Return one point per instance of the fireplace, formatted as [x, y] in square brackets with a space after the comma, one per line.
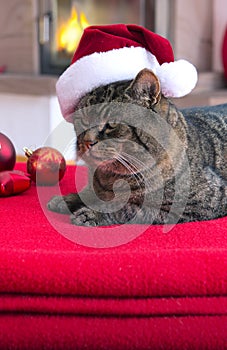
[61, 23]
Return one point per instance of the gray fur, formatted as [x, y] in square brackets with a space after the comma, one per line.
[185, 177]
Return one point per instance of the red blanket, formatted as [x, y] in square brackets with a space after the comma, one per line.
[150, 290]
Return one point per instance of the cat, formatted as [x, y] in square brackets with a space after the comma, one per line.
[149, 162]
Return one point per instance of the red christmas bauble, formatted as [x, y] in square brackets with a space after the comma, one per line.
[7, 153]
[46, 165]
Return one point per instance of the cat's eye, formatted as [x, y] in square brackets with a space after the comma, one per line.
[111, 125]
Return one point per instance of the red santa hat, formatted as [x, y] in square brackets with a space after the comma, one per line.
[111, 53]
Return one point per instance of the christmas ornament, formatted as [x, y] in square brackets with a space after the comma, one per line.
[7, 153]
[46, 165]
[13, 182]
[111, 53]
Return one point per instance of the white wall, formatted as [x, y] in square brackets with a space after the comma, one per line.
[35, 121]
[192, 32]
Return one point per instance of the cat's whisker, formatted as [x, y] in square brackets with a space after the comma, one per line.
[129, 168]
[134, 161]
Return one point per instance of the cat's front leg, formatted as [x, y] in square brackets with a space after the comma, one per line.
[67, 204]
[131, 213]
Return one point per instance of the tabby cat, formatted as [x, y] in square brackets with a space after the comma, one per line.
[149, 162]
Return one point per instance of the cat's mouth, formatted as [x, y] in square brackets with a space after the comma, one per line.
[114, 166]
[117, 159]
[114, 163]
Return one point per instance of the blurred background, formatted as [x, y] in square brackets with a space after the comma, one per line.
[38, 38]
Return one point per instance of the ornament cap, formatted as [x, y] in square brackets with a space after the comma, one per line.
[28, 152]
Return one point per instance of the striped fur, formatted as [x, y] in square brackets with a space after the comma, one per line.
[131, 137]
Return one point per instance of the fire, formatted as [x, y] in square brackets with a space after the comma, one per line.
[70, 32]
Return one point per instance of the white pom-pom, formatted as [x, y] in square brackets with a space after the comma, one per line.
[177, 78]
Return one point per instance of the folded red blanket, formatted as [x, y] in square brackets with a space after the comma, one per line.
[56, 272]
[92, 333]
[35, 257]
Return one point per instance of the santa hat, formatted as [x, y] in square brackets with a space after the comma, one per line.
[111, 53]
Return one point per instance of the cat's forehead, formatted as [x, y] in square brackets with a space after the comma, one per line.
[101, 112]
[121, 113]
[105, 93]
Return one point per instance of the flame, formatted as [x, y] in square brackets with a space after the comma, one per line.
[70, 32]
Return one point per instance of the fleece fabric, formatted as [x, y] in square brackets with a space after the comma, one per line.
[119, 287]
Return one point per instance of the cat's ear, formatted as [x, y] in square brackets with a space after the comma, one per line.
[146, 86]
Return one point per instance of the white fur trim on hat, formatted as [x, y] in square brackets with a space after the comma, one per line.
[104, 68]
[98, 69]
[177, 78]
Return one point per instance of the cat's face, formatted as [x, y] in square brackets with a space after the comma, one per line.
[117, 126]
[109, 145]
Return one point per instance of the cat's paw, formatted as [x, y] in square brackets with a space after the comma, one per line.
[85, 217]
[58, 205]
